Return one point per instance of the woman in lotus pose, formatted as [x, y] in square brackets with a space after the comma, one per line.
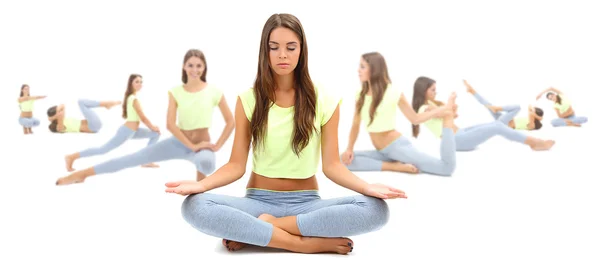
[467, 139]
[376, 106]
[189, 117]
[564, 109]
[132, 112]
[506, 114]
[290, 125]
[26, 118]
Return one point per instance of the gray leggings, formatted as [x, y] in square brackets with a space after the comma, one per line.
[94, 123]
[168, 149]
[123, 134]
[467, 139]
[235, 218]
[403, 151]
[29, 122]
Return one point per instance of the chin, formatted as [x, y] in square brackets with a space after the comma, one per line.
[284, 72]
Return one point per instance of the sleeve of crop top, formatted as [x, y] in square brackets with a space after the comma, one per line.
[217, 94]
[327, 103]
[248, 102]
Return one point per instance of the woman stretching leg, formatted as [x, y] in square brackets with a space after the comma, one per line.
[189, 117]
[132, 111]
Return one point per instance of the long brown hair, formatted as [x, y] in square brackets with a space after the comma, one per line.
[422, 84]
[194, 53]
[22, 87]
[379, 79]
[264, 87]
[129, 91]
[558, 98]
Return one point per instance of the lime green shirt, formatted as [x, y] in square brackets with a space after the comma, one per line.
[72, 124]
[132, 115]
[435, 125]
[385, 113]
[26, 106]
[521, 123]
[564, 106]
[195, 109]
[276, 158]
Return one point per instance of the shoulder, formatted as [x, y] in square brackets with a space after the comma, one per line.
[248, 101]
[327, 102]
[393, 92]
[424, 108]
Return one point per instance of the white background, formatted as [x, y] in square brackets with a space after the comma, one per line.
[505, 205]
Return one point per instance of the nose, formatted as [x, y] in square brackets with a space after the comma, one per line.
[282, 54]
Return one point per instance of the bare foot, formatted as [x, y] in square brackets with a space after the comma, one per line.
[495, 109]
[112, 104]
[469, 88]
[235, 246]
[405, 168]
[69, 160]
[340, 245]
[543, 145]
[150, 165]
[570, 123]
[74, 178]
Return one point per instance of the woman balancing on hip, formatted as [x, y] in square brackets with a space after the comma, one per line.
[507, 113]
[469, 138]
[290, 125]
[91, 124]
[26, 119]
[377, 103]
[132, 112]
[189, 117]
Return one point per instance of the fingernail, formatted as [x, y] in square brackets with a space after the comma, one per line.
[226, 241]
[349, 244]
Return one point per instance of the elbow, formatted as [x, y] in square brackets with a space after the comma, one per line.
[172, 127]
[331, 168]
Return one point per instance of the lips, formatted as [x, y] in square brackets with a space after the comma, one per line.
[283, 65]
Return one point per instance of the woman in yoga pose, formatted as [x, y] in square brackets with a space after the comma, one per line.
[506, 114]
[467, 139]
[376, 105]
[91, 123]
[26, 118]
[290, 125]
[132, 113]
[189, 117]
[564, 109]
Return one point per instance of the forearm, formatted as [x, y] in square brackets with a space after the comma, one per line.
[146, 121]
[339, 174]
[225, 135]
[424, 117]
[177, 133]
[227, 174]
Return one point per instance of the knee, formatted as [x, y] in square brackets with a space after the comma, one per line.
[195, 208]
[377, 211]
[448, 169]
[205, 164]
[556, 122]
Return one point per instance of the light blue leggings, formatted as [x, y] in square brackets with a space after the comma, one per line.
[562, 122]
[123, 134]
[467, 139]
[507, 114]
[29, 122]
[235, 218]
[94, 123]
[168, 149]
[403, 151]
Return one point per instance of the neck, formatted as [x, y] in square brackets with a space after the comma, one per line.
[194, 82]
[285, 83]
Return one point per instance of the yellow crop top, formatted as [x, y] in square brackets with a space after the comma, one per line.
[195, 109]
[385, 114]
[276, 158]
[435, 125]
[564, 106]
[72, 124]
[132, 115]
[26, 106]
[521, 123]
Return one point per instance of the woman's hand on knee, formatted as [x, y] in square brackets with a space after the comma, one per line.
[384, 192]
[185, 187]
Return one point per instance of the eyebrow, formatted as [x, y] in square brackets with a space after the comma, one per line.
[273, 42]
